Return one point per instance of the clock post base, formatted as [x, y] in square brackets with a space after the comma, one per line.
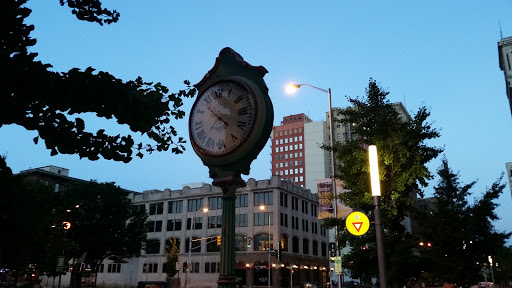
[227, 277]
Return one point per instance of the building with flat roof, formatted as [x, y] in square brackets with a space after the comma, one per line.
[289, 219]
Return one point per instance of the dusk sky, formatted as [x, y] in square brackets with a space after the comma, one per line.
[438, 54]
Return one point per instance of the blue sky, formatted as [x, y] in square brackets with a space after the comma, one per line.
[439, 54]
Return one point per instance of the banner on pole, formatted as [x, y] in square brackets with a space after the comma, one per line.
[325, 193]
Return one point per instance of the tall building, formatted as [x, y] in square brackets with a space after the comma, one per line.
[289, 219]
[288, 159]
[297, 155]
[505, 58]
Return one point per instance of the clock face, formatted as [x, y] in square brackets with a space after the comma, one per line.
[222, 117]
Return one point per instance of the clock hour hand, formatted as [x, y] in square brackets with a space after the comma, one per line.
[218, 117]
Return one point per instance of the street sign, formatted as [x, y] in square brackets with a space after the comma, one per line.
[357, 223]
[60, 264]
[337, 265]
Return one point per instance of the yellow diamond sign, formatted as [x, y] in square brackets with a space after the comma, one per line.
[357, 223]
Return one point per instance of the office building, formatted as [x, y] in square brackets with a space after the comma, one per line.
[289, 217]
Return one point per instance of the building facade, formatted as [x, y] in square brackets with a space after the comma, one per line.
[289, 217]
[505, 59]
[192, 217]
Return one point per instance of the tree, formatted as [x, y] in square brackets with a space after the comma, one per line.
[101, 209]
[462, 234]
[172, 251]
[403, 155]
[36, 98]
[25, 220]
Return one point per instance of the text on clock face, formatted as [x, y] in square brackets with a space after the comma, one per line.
[222, 118]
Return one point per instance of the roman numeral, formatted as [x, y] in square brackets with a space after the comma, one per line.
[218, 94]
[241, 124]
[201, 135]
[243, 111]
[210, 142]
[221, 144]
[234, 138]
[229, 92]
[199, 111]
[239, 99]
[198, 125]
[208, 99]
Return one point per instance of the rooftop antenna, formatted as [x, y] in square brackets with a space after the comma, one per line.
[501, 33]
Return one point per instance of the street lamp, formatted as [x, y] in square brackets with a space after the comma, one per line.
[189, 260]
[262, 208]
[291, 89]
[374, 179]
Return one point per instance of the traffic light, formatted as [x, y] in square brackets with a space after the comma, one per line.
[249, 242]
[218, 240]
[267, 246]
[332, 249]
[279, 255]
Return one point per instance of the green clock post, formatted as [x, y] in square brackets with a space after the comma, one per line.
[230, 123]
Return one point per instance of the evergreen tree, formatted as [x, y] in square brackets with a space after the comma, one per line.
[403, 154]
[462, 234]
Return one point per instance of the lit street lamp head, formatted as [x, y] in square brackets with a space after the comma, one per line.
[291, 88]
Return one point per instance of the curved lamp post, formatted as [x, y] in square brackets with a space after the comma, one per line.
[290, 89]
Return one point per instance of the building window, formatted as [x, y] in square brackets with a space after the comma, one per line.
[295, 203]
[305, 246]
[156, 208]
[295, 244]
[300, 146]
[154, 226]
[196, 245]
[277, 149]
[150, 268]
[286, 141]
[211, 267]
[195, 223]
[242, 200]
[195, 205]
[211, 245]
[315, 248]
[114, 268]
[175, 206]
[263, 198]
[240, 243]
[215, 203]
[300, 138]
[153, 246]
[214, 222]
[261, 219]
[301, 178]
[241, 220]
[261, 242]
[140, 207]
[283, 200]
[324, 249]
[305, 207]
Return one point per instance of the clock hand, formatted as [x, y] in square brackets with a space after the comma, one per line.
[218, 117]
[212, 111]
